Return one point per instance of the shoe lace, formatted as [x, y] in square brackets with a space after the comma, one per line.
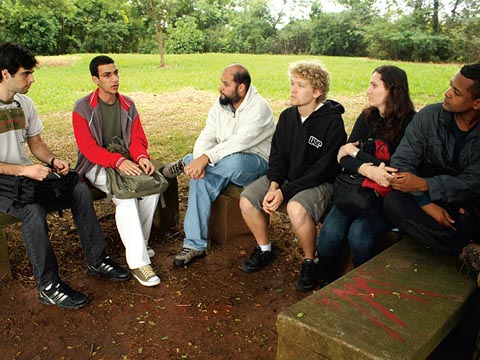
[147, 271]
[185, 251]
[471, 259]
[175, 168]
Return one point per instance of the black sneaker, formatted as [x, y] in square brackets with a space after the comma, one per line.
[309, 277]
[173, 169]
[258, 259]
[110, 270]
[63, 296]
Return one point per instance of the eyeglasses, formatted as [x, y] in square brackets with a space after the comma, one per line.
[109, 74]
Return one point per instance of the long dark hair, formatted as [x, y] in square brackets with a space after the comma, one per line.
[398, 105]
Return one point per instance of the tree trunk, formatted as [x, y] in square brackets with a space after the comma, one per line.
[454, 10]
[435, 16]
[158, 33]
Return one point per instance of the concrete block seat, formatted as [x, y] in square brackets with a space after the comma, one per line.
[399, 305]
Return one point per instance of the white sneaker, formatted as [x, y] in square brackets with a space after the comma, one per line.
[146, 276]
[150, 252]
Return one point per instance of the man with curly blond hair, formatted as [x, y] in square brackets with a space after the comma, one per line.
[302, 168]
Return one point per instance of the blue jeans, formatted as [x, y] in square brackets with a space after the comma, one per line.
[360, 231]
[238, 168]
[37, 242]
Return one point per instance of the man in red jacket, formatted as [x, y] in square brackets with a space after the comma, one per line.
[97, 119]
[20, 125]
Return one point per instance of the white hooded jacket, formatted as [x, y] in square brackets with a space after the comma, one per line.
[249, 129]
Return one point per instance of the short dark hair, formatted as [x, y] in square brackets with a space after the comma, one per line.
[97, 61]
[14, 56]
[241, 75]
[472, 72]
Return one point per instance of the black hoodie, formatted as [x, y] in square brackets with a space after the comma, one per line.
[306, 154]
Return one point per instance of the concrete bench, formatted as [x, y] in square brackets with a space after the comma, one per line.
[226, 223]
[164, 218]
[399, 305]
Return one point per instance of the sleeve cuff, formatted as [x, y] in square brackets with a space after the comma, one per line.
[422, 198]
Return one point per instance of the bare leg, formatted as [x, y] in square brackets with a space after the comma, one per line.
[304, 228]
[256, 221]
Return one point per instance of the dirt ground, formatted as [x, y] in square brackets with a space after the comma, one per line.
[210, 310]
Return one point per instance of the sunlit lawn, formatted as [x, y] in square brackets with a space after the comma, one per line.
[61, 80]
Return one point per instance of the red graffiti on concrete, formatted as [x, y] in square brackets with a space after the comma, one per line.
[367, 289]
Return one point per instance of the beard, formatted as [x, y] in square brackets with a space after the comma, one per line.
[229, 100]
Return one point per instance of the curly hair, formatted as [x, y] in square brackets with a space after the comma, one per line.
[313, 72]
[397, 107]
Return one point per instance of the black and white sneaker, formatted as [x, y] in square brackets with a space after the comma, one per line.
[258, 260]
[64, 296]
[173, 169]
[110, 270]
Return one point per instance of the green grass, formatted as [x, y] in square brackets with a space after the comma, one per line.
[58, 87]
[174, 100]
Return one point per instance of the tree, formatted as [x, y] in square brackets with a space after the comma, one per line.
[294, 38]
[36, 28]
[185, 37]
[163, 14]
[252, 28]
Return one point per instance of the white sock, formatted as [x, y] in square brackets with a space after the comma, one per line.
[267, 247]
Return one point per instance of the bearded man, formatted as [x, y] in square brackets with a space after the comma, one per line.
[232, 148]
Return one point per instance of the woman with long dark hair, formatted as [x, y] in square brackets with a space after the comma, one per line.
[382, 124]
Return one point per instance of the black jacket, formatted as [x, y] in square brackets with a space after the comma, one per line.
[429, 149]
[306, 154]
[361, 132]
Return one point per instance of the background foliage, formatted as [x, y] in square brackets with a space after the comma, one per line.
[413, 30]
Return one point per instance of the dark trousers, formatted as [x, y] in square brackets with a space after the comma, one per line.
[403, 211]
[37, 242]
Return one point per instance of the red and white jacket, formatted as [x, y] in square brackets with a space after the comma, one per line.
[87, 127]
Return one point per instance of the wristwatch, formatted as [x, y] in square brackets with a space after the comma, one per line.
[354, 154]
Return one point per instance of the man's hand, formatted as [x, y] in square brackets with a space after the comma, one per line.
[36, 172]
[272, 201]
[196, 169]
[130, 168]
[60, 166]
[439, 214]
[146, 166]
[408, 182]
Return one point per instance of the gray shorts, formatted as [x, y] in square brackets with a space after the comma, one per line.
[316, 200]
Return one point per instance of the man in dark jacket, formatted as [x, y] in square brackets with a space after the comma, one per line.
[437, 188]
[302, 168]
